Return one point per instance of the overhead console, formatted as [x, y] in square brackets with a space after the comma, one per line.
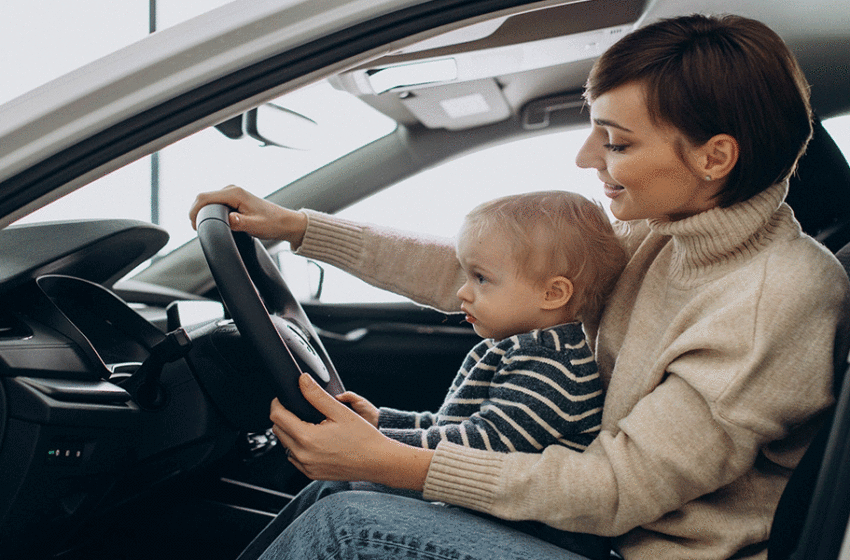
[460, 79]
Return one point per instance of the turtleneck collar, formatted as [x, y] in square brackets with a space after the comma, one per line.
[715, 237]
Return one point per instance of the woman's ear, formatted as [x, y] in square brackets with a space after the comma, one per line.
[557, 292]
[717, 157]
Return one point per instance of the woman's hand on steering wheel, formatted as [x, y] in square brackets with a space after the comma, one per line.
[346, 446]
[253, 215]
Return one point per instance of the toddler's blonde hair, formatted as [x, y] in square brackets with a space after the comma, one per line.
[556, 233]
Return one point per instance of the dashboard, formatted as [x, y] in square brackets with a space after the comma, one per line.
[76, 436]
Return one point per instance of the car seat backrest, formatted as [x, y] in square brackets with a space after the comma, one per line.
[812, 499]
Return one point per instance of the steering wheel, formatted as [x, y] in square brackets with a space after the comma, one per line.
[265, 311]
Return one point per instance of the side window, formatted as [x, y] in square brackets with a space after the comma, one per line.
[436, 200]
[839, 129]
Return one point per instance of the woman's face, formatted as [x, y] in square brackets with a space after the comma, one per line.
[642, 164]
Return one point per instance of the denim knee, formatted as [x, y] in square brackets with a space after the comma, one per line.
[334, 527]
[377, 526]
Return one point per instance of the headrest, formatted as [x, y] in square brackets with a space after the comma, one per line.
[819, 191]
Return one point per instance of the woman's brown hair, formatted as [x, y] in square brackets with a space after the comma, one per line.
[708, 75]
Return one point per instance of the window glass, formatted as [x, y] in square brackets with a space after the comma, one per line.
[172, 12]
[40, 41]
[209, 160]
[436, 200]
[839, 129]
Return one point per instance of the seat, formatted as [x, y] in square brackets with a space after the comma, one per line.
[812, 515]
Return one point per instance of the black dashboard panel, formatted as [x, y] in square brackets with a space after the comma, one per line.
[75, 438]
[69, 328]
[98, 250]
[54, 327]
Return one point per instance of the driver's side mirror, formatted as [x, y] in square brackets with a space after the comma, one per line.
[305, 277]
[316, 279]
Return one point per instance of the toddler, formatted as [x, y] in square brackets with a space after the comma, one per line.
[536, 265]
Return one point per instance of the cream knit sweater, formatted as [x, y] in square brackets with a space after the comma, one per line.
[716, 349]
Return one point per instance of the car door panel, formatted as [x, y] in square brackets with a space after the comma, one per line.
[397, 355]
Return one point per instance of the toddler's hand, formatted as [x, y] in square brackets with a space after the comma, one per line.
[361, 406]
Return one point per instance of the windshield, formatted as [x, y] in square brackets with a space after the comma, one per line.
[42, 44]
[160, 188]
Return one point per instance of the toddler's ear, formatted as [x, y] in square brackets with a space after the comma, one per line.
[557, 292]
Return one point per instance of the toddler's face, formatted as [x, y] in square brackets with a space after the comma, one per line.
[497, 300]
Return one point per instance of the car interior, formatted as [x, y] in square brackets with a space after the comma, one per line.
[134, 403]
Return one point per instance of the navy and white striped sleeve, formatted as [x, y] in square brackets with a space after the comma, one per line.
[392, 419]
[537, 395]
[548, 397]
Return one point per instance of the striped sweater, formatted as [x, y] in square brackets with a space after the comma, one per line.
[523, 393]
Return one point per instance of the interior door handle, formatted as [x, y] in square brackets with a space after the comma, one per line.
[356, 335]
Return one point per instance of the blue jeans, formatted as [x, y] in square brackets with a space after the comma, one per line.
[342, 520]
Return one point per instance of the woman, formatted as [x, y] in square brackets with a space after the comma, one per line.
[716, 345]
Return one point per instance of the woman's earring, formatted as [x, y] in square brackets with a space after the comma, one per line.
[708, 177]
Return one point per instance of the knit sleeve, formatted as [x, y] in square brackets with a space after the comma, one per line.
[536, 398]
[422, 268]
[408, 427]
[392, 419]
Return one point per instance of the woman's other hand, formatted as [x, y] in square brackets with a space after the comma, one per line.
[254, 215]
[361, 406]
[345, 446]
